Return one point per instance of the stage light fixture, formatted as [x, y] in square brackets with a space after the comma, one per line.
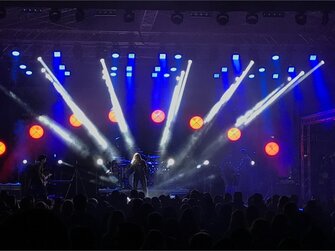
[252, 162]
[177, 17]
[24, 162]
[196, 122]
[234, 134]
[36, 132]
[290, 69]
[60, 162]
[251, 18]
[170, 162]
[129, 16]
[162, 56]
[23, 67]
[157, 68]
[3, 12]
[177, 56]
[222, 18]
[216, 75]
[206, 162]
[236, 57]
[2, 148]
[271, 148]
[74, 121]
[129, 68]
[112, 116]
[15, 53]
[113, 74]
[67, 73]
[275, 57]
[80, 15]
[54, 15]
[131, 55]
[154, 75]
[224, 69]
[57, 54]
[275, 75]
[29, 73]
[301, 18]
[312, 57]
[198, 166]
[289, 78]
[173, 69]
[158, 116]
[114, 68]
[251, 76]
[166, 75]
[262, 69]
[100, 162]
[115, 55]
[129, 74]
[61, 67]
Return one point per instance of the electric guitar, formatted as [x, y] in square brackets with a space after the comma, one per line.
[45, 179]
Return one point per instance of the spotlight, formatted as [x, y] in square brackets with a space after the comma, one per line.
[80, 15]
[251, 18]
[275, 57]
[251, 76]
[252, 163]
[271, 148]
[154, 75]
[23, 67]
[3, 12]
[275, 75]
[129, 74]
[236, 57]
[170, 162]
[129, 16]
[289, 79]
[312, 57]
[24, 161]
[29, 73]
[234, 134]
[157, 68]
[173, 69]
[177, 17]
[290, 69]
[166, 75]
[100, 162]
[61, 67]
[222, 18]
[262, 69]
[129, 68]
[36, 132]
[131, 55]
[114, 68]
[206, 162]
[54, 15]
[113, 74]
[67, 73]
[74, 121]
[60, 162]
[224, 69]
[196, 122]
[115, 55]
[2, 148]
[15, 53]
[112, 116]
[300, 18]
[158, 116]
[198, 166]
[162, 56]
[57, 54]
[216, 75]
[177, 56]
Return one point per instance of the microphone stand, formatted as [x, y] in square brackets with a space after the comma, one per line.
[74, 179]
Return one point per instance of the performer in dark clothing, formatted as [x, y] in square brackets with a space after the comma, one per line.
[36, 178]
[140, 170]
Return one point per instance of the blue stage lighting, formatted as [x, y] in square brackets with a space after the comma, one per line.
[216, 75]
[173, 69]
[131, 55]
[262, 69]
[23, 66]
[166, 75]
[236, 57]
[57, 54]
[129, 74]
[224, 69]
[29, 73]
[113, 74]
[154, 74]
[115, 55]
[177, 56]
[162, 56]
[15, 53]
[129, 68]
[67, 73]
[252, 76]
[312, 57]
[290, 69]
[157, 68]
[275, 57]
[275, 75]
[62, 67]
[114, 68]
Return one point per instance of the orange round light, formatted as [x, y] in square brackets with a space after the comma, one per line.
[272, 148]
[2, 148]
[36, 132]
[112, 116]
[196, 122]
[158, 116]
[234, 134]
[74, 121]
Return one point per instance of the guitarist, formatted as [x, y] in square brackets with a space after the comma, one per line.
[37, 179]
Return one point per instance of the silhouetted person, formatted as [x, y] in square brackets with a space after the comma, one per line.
[140, 170]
